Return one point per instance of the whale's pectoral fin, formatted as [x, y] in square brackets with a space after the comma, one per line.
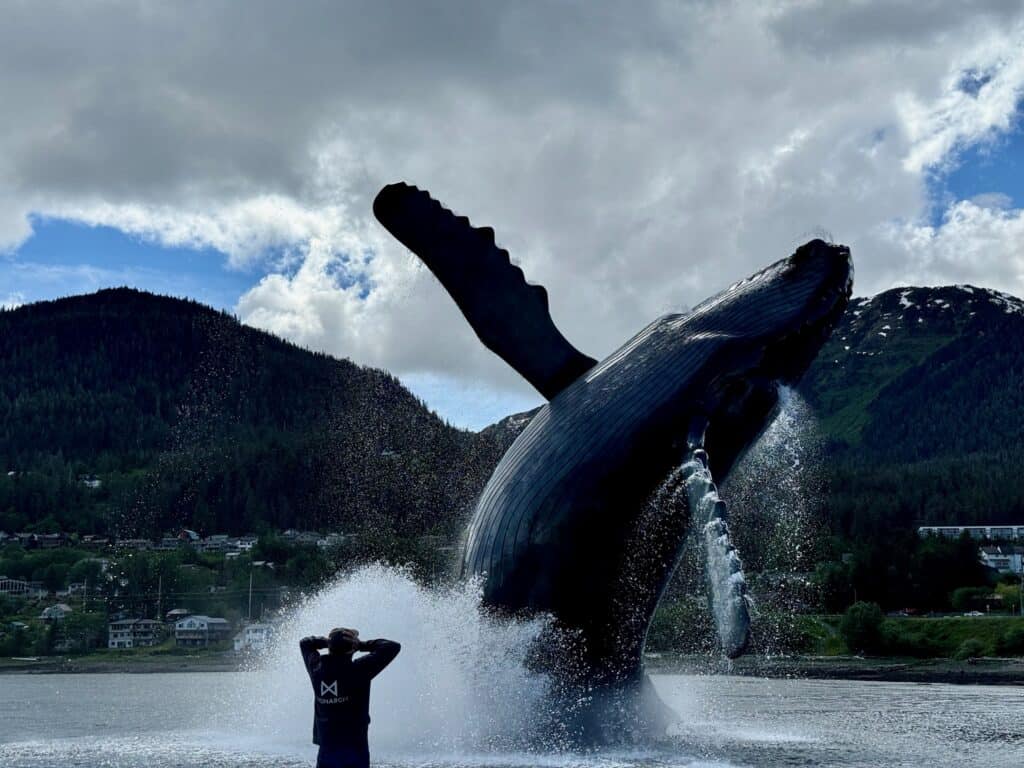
[727, 586]
[509, 315]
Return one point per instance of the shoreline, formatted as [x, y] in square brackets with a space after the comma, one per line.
[63, 665]
[986, 671]
[983, 671]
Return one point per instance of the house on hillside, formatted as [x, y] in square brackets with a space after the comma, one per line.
[302, 538]
[139, 545]
[74, 588]
[216, 543]
[201, 631]
[254, 638]
[51, 540]
[57, 612]
[21, 588]
[27, 540]
[1005, 558]
[331, 540]
[175, 615]
[134, 633]
[167, 544]
[187, 536]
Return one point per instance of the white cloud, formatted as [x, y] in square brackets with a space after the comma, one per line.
[958, 117]
[974, 244]
[632, 158]
[12, 300]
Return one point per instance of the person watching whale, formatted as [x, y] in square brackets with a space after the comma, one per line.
[341, 693]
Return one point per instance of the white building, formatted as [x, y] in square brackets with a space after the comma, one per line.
[996, 532]
[134, 633]
[244, 543]
[304, 538]
[21, 588]
[201, 631]
[331, 540]
[1005, 558]
[217, 543]
[140, 545]
[254, 638]
[56, 612]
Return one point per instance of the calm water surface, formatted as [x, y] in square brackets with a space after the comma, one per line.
[189, 720]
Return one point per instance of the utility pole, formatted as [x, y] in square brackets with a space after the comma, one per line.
[250, 594]
[159, 596]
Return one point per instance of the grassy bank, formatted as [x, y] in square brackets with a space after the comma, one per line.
[911, 637]
[687, 628]
[162, 658]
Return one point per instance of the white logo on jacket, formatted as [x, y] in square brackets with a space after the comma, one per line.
[329, 689]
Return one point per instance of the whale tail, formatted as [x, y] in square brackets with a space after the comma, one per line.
[510, 316]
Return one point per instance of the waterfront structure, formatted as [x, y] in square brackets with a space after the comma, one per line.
[134, 633]
[994, 532]
[254, 637]
[201, 631]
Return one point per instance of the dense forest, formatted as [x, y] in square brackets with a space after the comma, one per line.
[187, 417]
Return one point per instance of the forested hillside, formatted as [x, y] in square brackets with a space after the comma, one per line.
[920, 395]
[185, 416]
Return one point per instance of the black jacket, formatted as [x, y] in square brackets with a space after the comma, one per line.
[341, 690]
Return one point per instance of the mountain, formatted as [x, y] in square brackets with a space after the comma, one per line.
[919, 395]
[918, 373]
[186, 416]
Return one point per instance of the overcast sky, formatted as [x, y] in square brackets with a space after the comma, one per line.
[633, 157]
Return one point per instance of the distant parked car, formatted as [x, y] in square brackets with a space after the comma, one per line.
[974, 613]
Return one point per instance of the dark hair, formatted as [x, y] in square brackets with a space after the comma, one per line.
[342, 641]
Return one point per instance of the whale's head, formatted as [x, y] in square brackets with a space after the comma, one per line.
[776, 321]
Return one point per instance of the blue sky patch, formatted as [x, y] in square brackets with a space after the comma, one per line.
[988, 171]
[973, 80]
[64, 258]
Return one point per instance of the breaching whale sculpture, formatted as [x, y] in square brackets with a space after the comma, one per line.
[586, 514]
